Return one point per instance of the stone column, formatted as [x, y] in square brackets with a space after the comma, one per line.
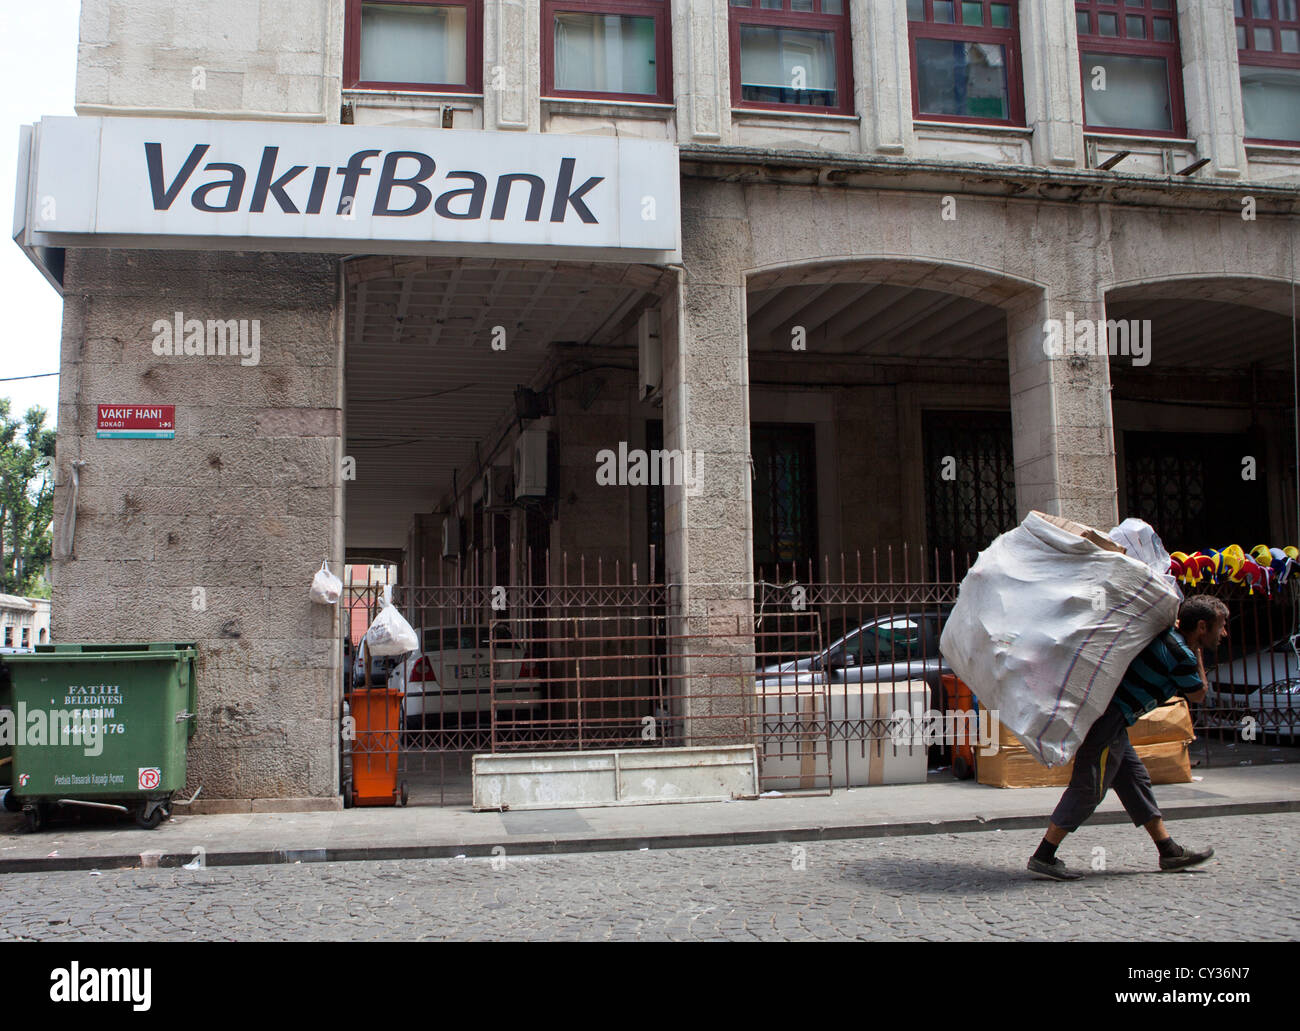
[708, 524]
[1049, 50]
[511, 65]
[1212, 85]
[1063, 433]
[702, 70]
[882, 75]
[214, 536]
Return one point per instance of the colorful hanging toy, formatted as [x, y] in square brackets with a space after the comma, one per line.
[1262, 568]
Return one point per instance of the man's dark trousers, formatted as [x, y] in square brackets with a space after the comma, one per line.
[1106, 760]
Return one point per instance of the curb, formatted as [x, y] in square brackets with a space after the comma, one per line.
[563, 846]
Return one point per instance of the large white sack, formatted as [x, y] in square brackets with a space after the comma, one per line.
[1045, 626]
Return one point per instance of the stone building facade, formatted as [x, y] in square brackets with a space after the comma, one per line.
[883, 205]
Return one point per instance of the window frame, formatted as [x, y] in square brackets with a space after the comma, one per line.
[1273, 59]
[473, 86]
[789, 19]
[656, 9]
[1122, 46]
[1009, 37]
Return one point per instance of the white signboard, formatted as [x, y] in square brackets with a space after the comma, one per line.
[145, 182]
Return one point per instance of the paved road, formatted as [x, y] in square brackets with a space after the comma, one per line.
[935, 887]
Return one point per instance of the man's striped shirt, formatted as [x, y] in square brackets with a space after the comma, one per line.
[1164, 668]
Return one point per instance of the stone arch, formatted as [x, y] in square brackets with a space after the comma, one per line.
[944, 275]
[1220, 368]
[1270, 293]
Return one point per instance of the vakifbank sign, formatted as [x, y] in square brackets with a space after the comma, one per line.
[144, 182]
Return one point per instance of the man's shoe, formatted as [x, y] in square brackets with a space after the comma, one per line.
[1186, 859]
[1055, 869]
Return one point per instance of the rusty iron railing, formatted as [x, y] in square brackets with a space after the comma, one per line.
[592, 658]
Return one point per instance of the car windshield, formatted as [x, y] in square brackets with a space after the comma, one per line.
[893, 639]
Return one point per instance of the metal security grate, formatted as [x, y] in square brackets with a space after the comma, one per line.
[1197, 489]
[784, 494]
[970, 481]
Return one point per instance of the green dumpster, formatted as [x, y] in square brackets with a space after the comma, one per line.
[99, 725]
[6, 750]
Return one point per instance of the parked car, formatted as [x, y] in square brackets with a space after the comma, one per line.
[1264, 684]
[380, 668]
[453, 675]
[895, 647]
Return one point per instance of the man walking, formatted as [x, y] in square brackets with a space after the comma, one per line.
[1169, 665]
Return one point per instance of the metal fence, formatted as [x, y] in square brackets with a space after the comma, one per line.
[813, 675]
[1254, 692]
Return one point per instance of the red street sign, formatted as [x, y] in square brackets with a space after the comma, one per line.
[147, 422]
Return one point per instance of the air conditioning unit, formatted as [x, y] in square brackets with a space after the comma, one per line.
[450, 536]
[650, 355]
[530, 464]
[496, 487]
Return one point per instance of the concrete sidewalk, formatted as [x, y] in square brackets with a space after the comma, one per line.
[943, 806]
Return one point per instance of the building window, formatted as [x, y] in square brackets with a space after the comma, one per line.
[791, 54]
[1173, 481]
[654, 504]
[414, 45]
[1132, 71]
[1268, 53]
[965, 61]
[784, 499]
[606, 49]
[965, 511]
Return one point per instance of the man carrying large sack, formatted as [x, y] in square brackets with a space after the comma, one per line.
[1171, 664]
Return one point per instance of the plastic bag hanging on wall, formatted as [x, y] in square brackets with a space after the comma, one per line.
[390, 634]
[325, 586]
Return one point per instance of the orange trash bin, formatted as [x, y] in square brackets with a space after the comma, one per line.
[960, 698]
[378, 715]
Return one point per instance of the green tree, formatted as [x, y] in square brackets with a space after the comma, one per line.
[26, 499]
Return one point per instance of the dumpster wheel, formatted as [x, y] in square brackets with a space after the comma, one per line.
[35, 814]
[404, 795]
[150, 814]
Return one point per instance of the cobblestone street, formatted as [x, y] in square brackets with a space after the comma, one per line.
[931, 887]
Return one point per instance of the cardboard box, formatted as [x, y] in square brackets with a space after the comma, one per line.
[1012, 766]
[1168, 762]
[794, 765]
[1082, 530]
[1162, 738]
[1172, 722]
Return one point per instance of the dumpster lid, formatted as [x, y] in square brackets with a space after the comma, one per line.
[108, 651]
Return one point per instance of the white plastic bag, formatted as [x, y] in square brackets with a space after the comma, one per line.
[325, 586]
[1044, 628]
[390, 634]
[1140, 540]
